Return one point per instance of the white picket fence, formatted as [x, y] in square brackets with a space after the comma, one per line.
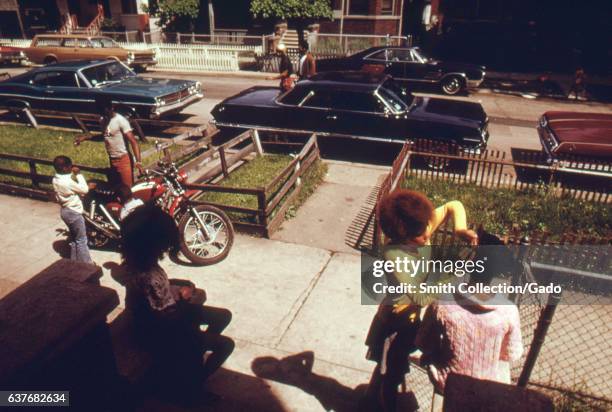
[182, 57]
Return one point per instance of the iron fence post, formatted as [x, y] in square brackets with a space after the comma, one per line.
[539, 336]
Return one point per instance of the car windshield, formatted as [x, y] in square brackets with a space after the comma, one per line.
[107, 73]
[397, 92]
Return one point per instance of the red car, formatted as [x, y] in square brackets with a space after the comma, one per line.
[13, 55]
[578, 134]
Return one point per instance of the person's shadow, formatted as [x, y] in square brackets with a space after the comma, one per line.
[117, 272]
[62, 246]
[296, 370]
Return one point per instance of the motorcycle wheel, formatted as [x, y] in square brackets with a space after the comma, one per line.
[96, 239]
[195, 247]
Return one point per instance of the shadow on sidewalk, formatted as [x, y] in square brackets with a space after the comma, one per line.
[296, 370]
[236, 392]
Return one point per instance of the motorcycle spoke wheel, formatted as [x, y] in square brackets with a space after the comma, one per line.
[210, 246]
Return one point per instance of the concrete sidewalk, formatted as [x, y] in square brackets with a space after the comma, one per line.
[289, 300]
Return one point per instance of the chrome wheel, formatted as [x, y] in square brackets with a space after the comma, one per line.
[451, 85]
[209, 244]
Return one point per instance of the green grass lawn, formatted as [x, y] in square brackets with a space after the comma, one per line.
[256, 174]
[46, 143]
[532, 210]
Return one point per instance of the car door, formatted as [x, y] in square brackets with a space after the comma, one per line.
[30, 92]
[415, 69]
[359, 113]
[313, 113]
[76, 49]
[64, 51]
[62, 92]
[396, 62]
[375, 62]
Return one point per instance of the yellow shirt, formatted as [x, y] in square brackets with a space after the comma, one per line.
[452, 209]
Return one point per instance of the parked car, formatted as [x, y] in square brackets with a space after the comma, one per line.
[356, 104]
[59, 48]
[72, 87]
[12, 55]
[408, 65]
[578, 134]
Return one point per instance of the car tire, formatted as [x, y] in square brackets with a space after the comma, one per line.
[451, 85]
[50, 60]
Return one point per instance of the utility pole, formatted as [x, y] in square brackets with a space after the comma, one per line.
[342, 19]
[211, 19]
[401, 20]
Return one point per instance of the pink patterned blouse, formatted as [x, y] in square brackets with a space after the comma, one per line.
[471, 337]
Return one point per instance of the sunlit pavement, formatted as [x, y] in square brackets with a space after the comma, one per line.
[286, 297]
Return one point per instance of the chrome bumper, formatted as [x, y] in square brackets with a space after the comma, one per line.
[12, 59]
[176, 107]
[549, 154]
[474, 84]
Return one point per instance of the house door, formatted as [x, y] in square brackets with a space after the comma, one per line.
[9, 25]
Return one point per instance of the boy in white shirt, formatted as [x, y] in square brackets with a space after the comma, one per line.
[69, 185]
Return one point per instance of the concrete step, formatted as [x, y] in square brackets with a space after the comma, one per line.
[290, 38]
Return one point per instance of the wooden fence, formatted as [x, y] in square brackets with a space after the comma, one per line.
[578, 177]
[273, 200]
[39, 180]
[88, 122]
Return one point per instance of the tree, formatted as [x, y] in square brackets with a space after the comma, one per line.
[294, 11]
[175, 15]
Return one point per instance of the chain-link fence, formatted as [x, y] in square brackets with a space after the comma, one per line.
[567, 337]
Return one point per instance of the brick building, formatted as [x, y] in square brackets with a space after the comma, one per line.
[27, 17]
[365, 17]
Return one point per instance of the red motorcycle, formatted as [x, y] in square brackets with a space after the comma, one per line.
[207, 234]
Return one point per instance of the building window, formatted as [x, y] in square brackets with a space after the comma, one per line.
[336, 4]
[129, 7]
[387, 7]
[359, 7]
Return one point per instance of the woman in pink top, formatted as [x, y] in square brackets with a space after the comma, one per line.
[476, 335]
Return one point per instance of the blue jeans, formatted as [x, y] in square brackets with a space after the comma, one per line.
[78, 242]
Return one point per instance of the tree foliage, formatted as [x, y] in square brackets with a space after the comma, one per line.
[291, 9]
[175, 15]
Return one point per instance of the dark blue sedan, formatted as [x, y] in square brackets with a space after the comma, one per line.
[73, 87]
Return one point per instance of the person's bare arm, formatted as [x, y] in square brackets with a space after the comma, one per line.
[278, 76]
[83, 137]
[135, 149]
[455, 210]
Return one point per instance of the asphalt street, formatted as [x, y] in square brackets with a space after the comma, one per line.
[512, 118]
